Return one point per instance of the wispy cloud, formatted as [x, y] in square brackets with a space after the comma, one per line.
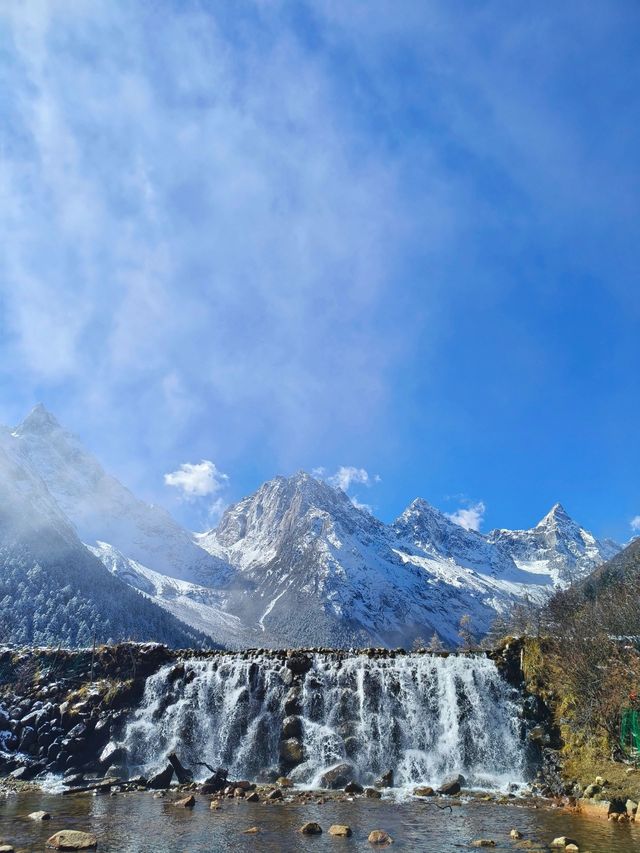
[635, 523]
[359, 505]
[193, 216]
[470, 516]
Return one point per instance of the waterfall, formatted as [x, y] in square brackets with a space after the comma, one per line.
[423, 716]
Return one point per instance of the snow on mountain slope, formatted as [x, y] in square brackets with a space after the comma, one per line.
[52, 589]
[102, 509]
[556, 546]
[436, 535]
[199, 606]
[323, 570]
[296, 563]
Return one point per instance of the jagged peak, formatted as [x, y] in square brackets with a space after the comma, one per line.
[557, 514]
[420, 506]
[39, 420]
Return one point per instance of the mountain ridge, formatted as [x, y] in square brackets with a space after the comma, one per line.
[297, 563]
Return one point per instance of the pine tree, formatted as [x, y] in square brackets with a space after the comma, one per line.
[467, 640]
[435, 643]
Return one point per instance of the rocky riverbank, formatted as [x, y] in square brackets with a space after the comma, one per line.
[62, 715]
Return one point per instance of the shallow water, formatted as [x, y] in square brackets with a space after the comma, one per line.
[138, 823]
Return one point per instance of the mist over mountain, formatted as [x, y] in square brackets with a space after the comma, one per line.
[53, 590]
[296, 563]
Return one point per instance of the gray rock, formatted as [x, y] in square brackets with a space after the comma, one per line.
[452, 786]
[338, 776]
[162, 779]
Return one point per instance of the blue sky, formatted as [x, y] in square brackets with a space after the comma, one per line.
[395, 237]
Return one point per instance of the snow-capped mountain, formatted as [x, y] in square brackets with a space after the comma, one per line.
[102, 509]
[433, 533]
[556, 546]
[296, 563]
[320, 567]
[52, 589]
[322, 571]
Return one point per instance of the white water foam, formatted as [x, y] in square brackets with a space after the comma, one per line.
[423, 716]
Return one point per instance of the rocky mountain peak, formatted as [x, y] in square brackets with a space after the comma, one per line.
[556, 515]
[38, 421]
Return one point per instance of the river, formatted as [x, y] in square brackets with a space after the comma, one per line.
[138, 823]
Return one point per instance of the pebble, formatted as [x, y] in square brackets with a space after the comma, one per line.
[311, 828]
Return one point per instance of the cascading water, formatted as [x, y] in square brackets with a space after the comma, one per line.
[423, 716]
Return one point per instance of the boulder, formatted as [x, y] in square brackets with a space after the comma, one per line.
[253, 797]
[372, 794]
[340, 829]
[298, 664]
[515, 834]
[591, 790]
[352, 746]
[452, 786]
[337, 777]
[162, 779]
[72, 839]
[386, 780]
[379, 836]
[39, 816]
[7, 848]
[483, 842]
[292, 727]
[276, 794]
[311, 828]
[562, 842]
[353, 788]
[27, 739]
[292, 703]
[216, 782]
[112, 754]
[186, 802]
[284, 782]
[291, 751]
[424, 791]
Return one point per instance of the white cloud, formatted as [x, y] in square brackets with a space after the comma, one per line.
[635, 523]
[348, 474]
[196, 480]
[470, 517]
[359, 505]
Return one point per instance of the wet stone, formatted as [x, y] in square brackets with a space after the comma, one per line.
[379, 836]
[71, 839]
